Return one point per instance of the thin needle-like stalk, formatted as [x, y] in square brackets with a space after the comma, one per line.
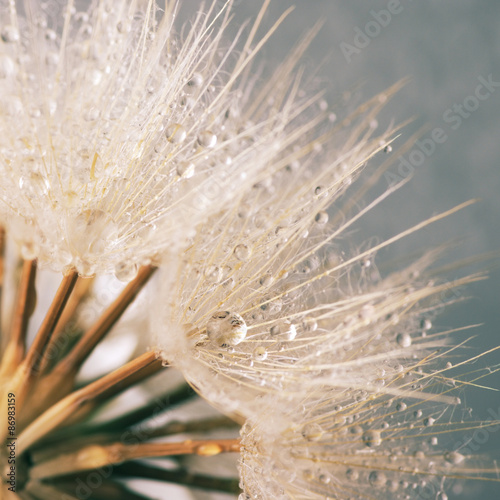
[95, 456]
[80, 290]
[2, 266]
[26, 298]
[91, 338]
[66, 408]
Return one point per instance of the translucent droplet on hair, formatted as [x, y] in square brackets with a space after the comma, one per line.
[126, 271]
[242, 252]
[454, 457]
[7, 67]
[9, 34]
[312, 432]
[185, 170]
[207, 139]
[176, 133]
[226, 328]
[377, 479]
[321, 218]
[403, 339]
[372, 438]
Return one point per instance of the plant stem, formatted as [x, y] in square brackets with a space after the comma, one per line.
[96, 456]
[66, 408]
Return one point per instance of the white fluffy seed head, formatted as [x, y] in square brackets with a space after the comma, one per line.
[118, 135]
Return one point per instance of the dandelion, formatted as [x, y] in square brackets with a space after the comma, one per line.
[119, 136]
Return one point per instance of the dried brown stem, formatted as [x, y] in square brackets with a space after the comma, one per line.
[96, 456]
[179, 476]
[26, 298]
[2, 255]
[91, 338]
[102, 432]
[137, 434]
[36, 351]
[80, 290]
[74, 402]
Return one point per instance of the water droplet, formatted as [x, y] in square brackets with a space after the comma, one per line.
[196, 80]
[401, 406]
[207, 139]
[454, 457]
[372, 438]
[433, 441]
[388, 149]
[260, 353]
[426, 324]
[323, 478]
[321, 218]
[442, 496]
[352, 474]
[242, 252]
[175, 133]
[284, 329]
[226, 328]
[429, 422]
[312, 432]
[9, 34]
[185, 169]
[377, 479]
[266, 280]
[403, 339]
[126, 271]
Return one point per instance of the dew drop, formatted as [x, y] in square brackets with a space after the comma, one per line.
[126, 271]
[266, 280]
[403, 339]
[312, 432]
[260, 353]
[185, 170]
[388, 149]
[377, 479]
[196, 80]
[372, 438]
[442, 496]
[401, 406]
[429, 422]
[426, 324]
[9, 34]
[453, 457]
[207, 139]
[323, 478]
[284, 329]
[321, 218]
[176, 133]
[352, 474]
[226, 328]
[242, 252]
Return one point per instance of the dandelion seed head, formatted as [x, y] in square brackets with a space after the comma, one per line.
[120, 133]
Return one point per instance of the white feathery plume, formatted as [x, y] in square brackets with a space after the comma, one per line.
[119, 135]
